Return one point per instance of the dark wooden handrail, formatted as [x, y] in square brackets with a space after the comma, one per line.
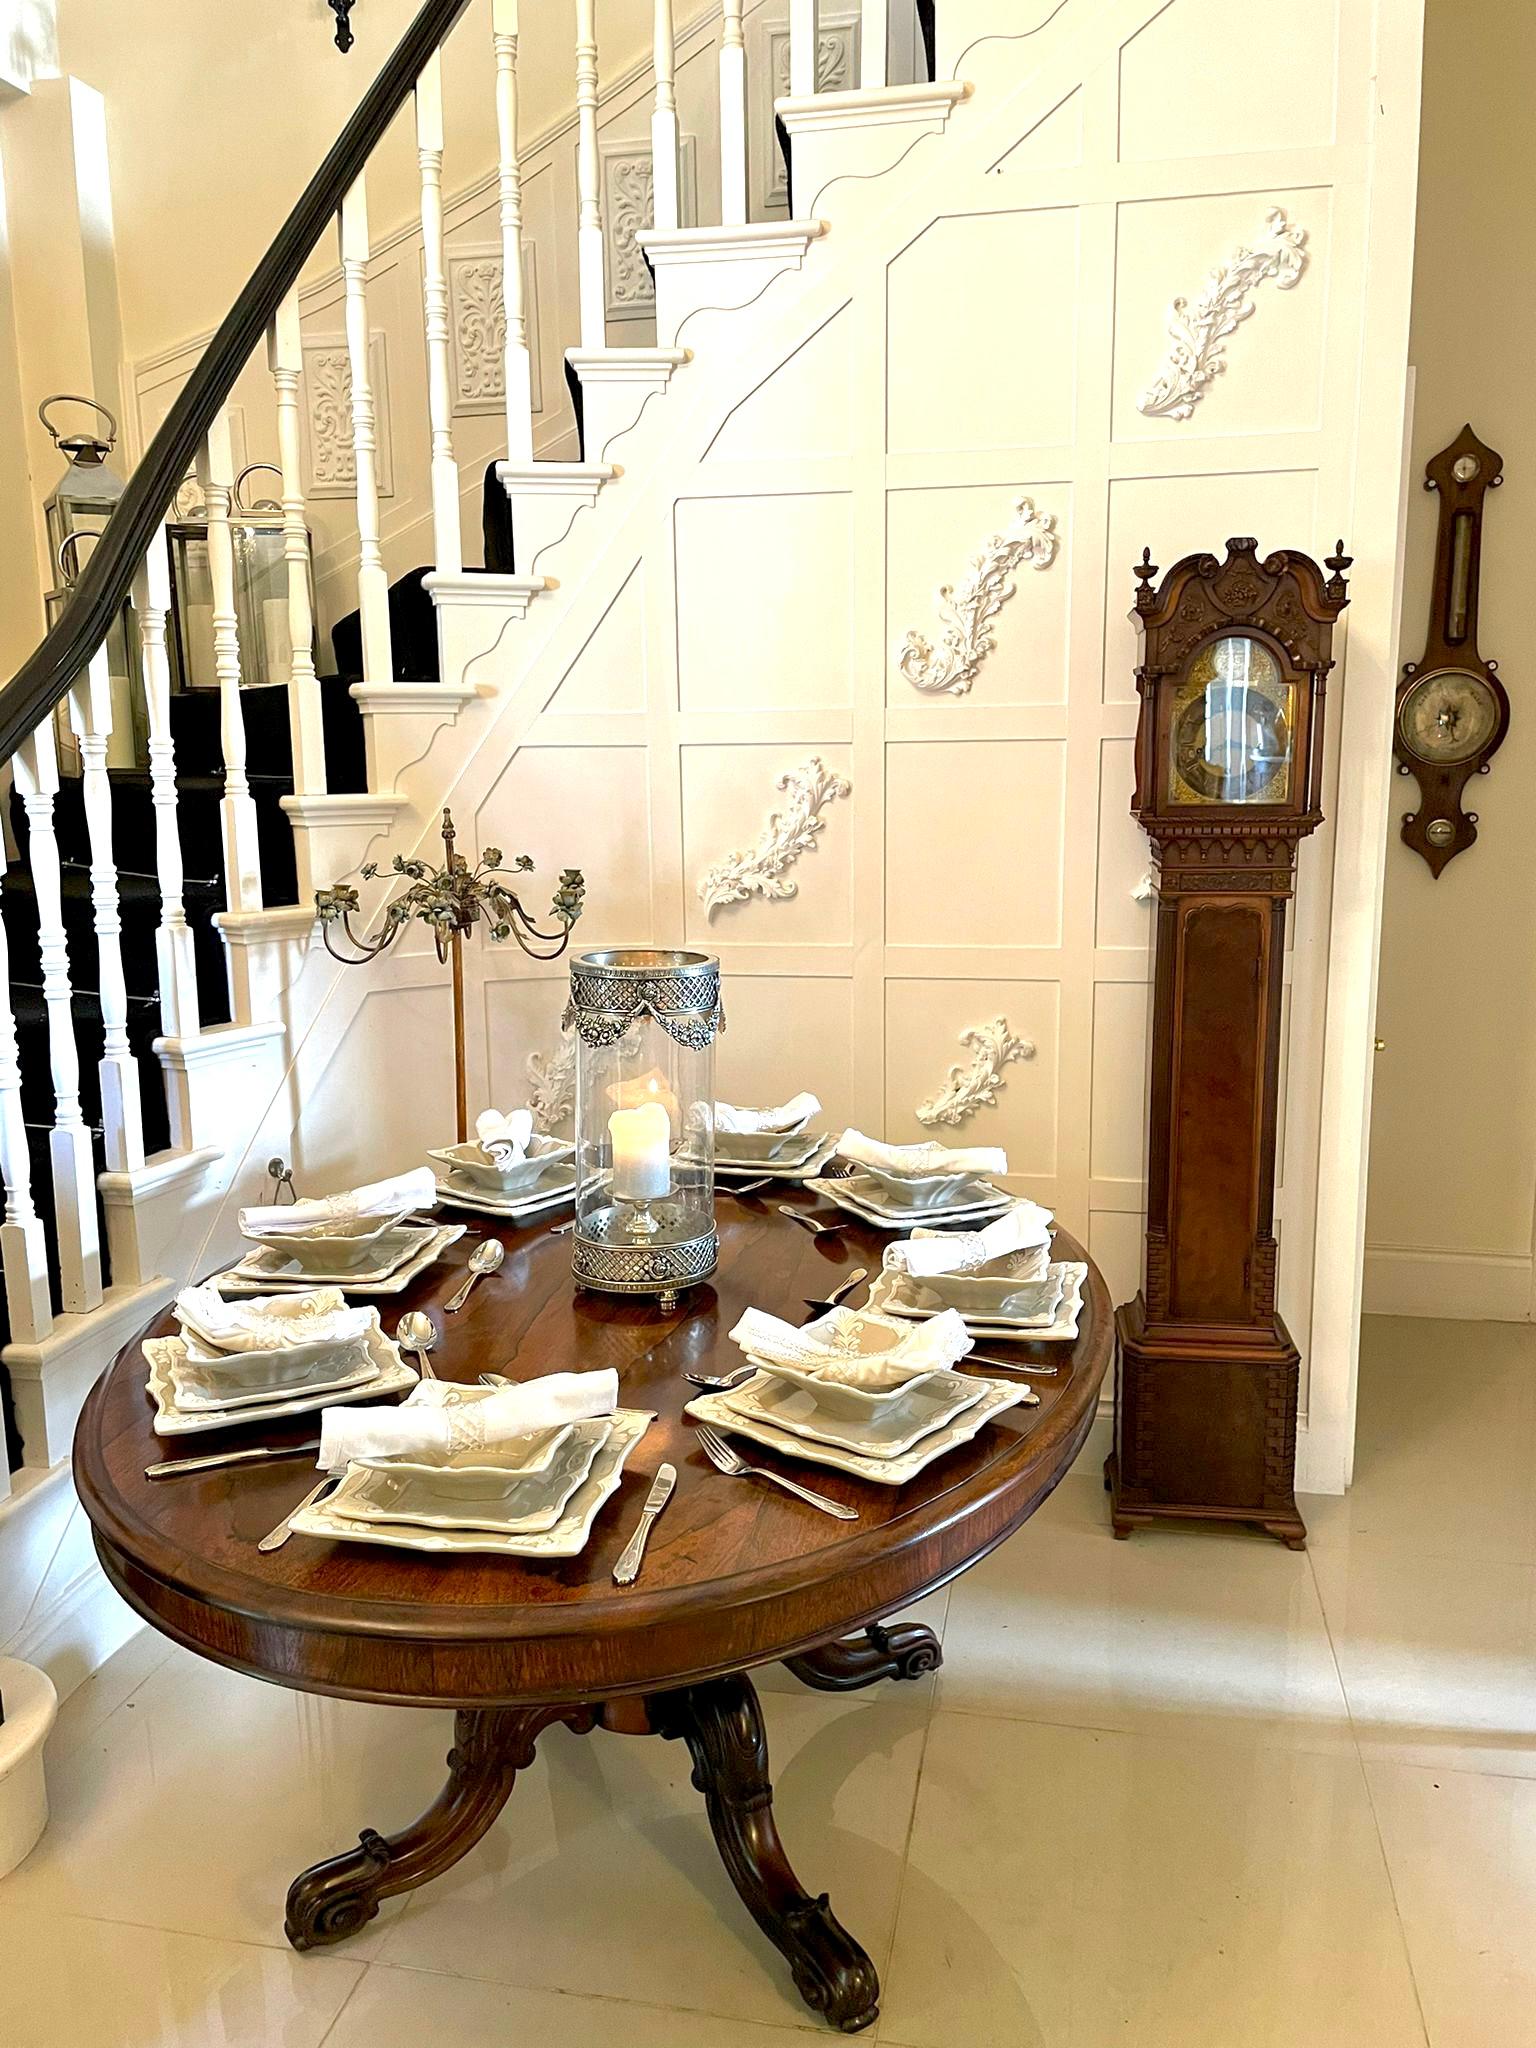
[62, 655]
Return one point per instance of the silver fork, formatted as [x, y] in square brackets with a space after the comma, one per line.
[810, 1223]
[724, 1459]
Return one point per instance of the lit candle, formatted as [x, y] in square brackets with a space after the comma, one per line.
[642, 1143]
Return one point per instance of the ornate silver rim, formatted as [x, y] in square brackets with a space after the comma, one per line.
[643, 1268]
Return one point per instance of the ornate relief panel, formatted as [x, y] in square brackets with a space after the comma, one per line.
[477, 327]
[837, 70]
[629, 204]
[1196, 330]
[330, 468]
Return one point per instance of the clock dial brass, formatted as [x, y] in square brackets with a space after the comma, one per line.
[1449, 716]
[1232, 728]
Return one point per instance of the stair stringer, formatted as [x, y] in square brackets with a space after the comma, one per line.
[525, 656]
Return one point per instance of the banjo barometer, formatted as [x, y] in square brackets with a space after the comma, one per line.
[1229, 748]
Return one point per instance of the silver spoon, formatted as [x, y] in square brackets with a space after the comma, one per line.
[809, 1222]
[417, 1332]
[485, 1258]
[821, 1308]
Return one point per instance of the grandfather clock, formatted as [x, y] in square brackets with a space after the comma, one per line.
[1229, 749]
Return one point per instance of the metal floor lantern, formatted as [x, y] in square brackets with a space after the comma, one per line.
[452, 900]
[646, 1021]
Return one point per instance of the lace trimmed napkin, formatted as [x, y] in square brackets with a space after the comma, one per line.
[917, 1162]
[427, 1423]
[270, 1322]
[735, 1121]
[828, 1347]
[505, 1135]
[1022, 1228]
[414, 1190]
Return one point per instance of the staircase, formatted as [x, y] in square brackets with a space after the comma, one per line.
[156, 923]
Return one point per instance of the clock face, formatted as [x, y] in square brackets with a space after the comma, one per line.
[1233, 729]
[1448, 717]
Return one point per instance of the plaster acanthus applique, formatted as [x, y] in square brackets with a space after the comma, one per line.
[971, 605]
[1195, 333]
[552, 1084]
[974, 1086]
[759, 870]
[1144, 890]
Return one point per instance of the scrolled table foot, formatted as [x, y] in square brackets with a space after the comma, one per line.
[338, 1897]
[908, 1650]
[722, 1724]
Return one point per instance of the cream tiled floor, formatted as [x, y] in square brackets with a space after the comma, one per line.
[1189, 1791]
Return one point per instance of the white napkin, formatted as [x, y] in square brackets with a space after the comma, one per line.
[917, 1162]
[427, 1422]
[505, 1134]
[270, 1322]
[789, 1116]
[826, 1347]
[414, 1190]
[1018, 1229]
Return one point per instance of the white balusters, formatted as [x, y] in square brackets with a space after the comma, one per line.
[509, 190]
[733, 117]
[372, 583]
[179, 1016]
[665, 139]
[36, 768]
[122, 1120]
[802, 47]
[306, 719]
[449, 548]
[589, 231]
[242, 855]
[23, 1249]
[874, 35]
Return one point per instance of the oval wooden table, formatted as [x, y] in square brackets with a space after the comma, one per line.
[737, 1572]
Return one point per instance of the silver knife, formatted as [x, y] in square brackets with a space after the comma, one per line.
[628, 1566]
[170, 1466]
[279, 1536]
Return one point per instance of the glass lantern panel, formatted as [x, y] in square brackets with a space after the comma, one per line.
[644, 1139]
[1233, 727]
[261, 602]
[192, 609]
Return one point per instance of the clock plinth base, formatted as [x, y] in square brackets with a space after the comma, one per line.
[1205, 1425]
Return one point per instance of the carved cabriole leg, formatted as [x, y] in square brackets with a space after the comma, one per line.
[490, 1746]
[908, 1650]
[722, 1725]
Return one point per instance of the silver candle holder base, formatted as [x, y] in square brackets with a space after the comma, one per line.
[639, 1248]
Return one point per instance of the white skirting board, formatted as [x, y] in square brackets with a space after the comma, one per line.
[57, 1610]
[1492, 1287]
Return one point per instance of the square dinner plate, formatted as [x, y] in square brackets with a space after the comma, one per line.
[884, 1299]
[861, 1196]
[997, 1395]
[266, 1272]
[393, 1376]
[559, 1186]
[509, 1503]
[567, 1538]
[889, 1433]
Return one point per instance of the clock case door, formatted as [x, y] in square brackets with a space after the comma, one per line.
[1207, 1376]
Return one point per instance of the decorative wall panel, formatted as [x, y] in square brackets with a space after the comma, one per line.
[837, 70]
[789, 879]
[973, 843]
[477, 328]
[330, 468]
[998, 620]
[629, 204]
[924, 1021]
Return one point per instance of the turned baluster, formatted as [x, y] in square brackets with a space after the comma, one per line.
[174, 955]
[122, 1117]
[445, 471]
[517, 360]
[372, 582]
[36, 768]
[23, 1250]
[306, 718]
[803, 32]
[874, 35]
[237, 811]
[589, 231]
[665, 139]
[733, 117]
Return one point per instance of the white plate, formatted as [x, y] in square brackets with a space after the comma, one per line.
[921, 1191]
[566, 1539]
[198, 1391]
[394, 1376]
[915, 1413]
[341, 1244]
[883, 1297]
[772, 1169]
[472, 1163]
[921, 1298]
[860, 1196]
[767, 1148]
[998, 1395]
[262, 1271]
[455, 1193]
[511, 1503]
[983, 1292]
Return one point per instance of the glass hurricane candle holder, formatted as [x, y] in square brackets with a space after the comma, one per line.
[645, 1022]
